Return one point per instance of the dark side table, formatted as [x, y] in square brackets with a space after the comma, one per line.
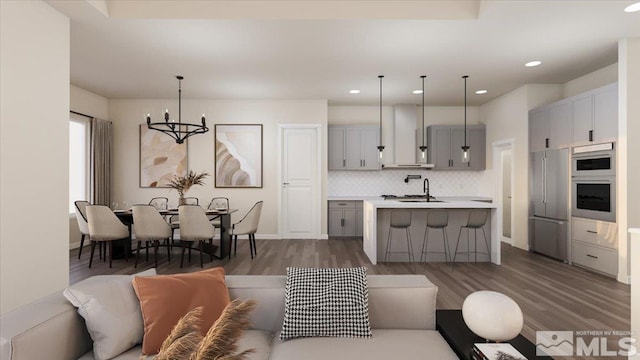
[451, 326]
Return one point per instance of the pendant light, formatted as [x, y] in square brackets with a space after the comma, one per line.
[380, 146]
[465, 148]
[423, 148]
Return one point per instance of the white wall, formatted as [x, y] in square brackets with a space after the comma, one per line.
[34, 159]
[507, 117]
[94, 105]
[628, 207]
[88, 103]
[593, 80]
[127, 115]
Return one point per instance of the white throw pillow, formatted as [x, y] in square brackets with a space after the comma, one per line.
[111, 311]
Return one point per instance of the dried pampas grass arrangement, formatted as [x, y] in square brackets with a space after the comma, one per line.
[187, 343]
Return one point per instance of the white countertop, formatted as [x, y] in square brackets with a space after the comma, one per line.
[350, 198]
[374, 198]
[445, 204]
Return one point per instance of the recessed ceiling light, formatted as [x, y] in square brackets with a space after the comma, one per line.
[533, 63]
[480, 92]
[417, 91]
[632, 8]
[354, 91]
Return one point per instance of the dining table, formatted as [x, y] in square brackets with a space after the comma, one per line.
[126, 216]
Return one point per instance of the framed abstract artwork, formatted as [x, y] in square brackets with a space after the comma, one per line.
[238, 156]
[160, 158]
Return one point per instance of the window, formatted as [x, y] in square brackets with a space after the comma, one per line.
[78, 160]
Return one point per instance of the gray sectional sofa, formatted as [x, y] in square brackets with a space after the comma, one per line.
[402, 311]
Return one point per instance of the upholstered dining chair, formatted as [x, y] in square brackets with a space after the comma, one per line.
[160, 203]
[83, 225]
[105, 227]
[248, 225]
[217, 203]
[150, 227]
[194, 227]
[174, 220]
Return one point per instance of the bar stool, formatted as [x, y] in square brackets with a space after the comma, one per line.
[400, 219]
[477, 219]
[436, 219]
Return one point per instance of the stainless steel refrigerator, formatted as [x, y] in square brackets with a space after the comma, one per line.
[549, 220]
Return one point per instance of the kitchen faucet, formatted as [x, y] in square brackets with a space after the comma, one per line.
[425, 188]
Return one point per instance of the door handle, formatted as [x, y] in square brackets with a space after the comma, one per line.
[590, 135]
[341, 222]
[344, 162]
[592, 256]
[592, 232]
[544, 180]
[546, 143]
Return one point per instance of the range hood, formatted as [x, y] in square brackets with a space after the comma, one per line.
[405, 120]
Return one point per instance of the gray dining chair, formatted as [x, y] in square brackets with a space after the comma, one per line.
[160, 203]
[83, 225]
[150, 227]
[194, 227]
[248, 225]
[105, 227]
[217, 203]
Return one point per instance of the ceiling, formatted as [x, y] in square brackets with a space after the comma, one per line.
[309, 49]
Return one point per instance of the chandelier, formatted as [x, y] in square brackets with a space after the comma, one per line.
[178, 130]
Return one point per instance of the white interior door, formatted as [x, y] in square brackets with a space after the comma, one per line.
[506, 195]
[300, 176]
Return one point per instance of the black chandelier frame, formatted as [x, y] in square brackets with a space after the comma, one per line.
[179, 131]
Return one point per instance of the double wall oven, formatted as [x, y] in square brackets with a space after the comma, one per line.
[594, 182]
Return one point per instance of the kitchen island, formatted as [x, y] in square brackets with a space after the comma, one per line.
[376, 218]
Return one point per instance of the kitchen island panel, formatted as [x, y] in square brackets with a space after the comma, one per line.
[376, 229]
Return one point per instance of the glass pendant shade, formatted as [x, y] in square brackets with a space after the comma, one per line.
[465, 154]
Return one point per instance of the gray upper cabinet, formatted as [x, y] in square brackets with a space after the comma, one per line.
[353, 148]
[538, 129]
[337, 159]
[445, 143]
[551, 127]
[595, 116]
[605, 113]
[591, 117]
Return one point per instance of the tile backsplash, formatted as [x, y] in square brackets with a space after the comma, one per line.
[376, 183]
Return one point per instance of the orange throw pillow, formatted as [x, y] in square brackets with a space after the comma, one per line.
[164, 299]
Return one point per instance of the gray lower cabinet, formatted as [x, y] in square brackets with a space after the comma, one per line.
[345, 218]
[353, 147]
[445, 147]
[595, 245]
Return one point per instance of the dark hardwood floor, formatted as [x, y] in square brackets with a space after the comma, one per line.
[552, 295]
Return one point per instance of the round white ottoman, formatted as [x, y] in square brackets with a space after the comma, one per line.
[492, 315]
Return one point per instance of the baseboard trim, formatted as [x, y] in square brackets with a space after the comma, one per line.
[75, 245]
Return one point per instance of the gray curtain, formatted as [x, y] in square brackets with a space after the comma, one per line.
[101, 150]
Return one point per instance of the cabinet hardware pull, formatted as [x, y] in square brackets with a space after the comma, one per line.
[341, 222]
[592, 256]
[590, 135]
[592, 232]
[546, 143]
[344, 162]
[342, 204]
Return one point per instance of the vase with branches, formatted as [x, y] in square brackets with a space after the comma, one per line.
[182, 184]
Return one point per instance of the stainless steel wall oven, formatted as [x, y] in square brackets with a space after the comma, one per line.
[594, 184]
